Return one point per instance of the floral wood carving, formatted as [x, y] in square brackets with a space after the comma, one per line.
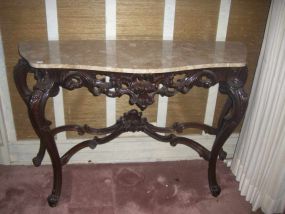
[141, 88]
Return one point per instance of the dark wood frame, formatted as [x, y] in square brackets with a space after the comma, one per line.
[141, 89]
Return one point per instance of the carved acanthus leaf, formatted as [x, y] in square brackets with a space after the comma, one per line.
[141, 88]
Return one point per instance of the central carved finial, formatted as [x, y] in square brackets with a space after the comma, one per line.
[132, 121]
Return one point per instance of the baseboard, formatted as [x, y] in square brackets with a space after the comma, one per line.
[124, 149]
[4, 155]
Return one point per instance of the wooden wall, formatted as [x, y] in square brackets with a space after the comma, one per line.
[136, 19]
[20, 21]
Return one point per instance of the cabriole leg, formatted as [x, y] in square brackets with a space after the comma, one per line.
[234, 88]
[21, 71]
[36, 103]
[44, 89]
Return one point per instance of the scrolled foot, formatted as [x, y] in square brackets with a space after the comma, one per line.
[37, 161]
[215, 190]
[173, 143]
[222, 155]
[52, 200]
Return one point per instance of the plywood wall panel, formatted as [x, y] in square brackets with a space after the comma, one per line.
[194, 20]
[140, 19]
[21, 21]
[187, 108]
[81, 107]
[82, 20]
[247, 23]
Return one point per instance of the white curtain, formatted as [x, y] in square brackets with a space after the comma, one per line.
[259, 161]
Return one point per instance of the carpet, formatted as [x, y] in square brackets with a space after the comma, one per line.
[177, 187]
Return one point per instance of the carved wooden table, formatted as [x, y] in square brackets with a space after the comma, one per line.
[141, 70]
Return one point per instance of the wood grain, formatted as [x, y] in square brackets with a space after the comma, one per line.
[140, 19]
[82, 20]
[81, 107]
[187, 108]
[195, 21]
[21, 21]
[247, 23]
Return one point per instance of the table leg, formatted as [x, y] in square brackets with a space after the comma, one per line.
[235, 91]
[36, 107]
[21, 71]
[36, 102]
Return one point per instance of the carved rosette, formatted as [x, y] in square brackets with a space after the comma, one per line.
[132, 121]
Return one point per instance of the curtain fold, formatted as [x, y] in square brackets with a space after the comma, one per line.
[260, 154]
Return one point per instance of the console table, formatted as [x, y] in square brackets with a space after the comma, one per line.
[140, 70]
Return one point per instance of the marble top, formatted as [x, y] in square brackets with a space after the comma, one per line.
[133, 56]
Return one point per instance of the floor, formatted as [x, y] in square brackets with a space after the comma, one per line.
[178, 187]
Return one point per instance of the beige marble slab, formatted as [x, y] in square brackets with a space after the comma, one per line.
[133, 56]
